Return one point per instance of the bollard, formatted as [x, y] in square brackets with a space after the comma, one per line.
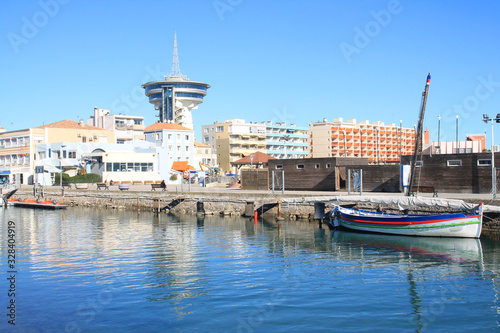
[249, 209]
[319, 210]
[200, 210]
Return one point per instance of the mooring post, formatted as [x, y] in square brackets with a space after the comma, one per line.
[319, 210]
[249, 209]
[138, 204]
[200, 210]
[279, 208]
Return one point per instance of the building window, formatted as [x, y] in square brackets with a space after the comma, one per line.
[220, 129]
[454, 163]
[84, 139]
[419, 164]
[187, 148]
[328, 165]
[300, 166]
[484, 162]
[72, 154]
[170, 136]
[157, 136]
[316, 166]
[279, 166]
[137, 122]
[187, 136]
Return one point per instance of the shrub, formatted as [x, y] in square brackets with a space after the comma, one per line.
[173, 177]
[65, 178]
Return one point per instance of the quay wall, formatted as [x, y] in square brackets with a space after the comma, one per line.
[214, 203]
[232, 204]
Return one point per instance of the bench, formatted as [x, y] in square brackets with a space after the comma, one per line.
[102, 185]
[66, 185]
[124, 187]
[137, 182]
[155, 186]
[424, 189]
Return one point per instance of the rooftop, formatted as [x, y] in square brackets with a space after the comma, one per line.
[70, 124]
[166, 126]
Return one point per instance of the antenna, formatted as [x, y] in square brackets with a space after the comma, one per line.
[176, 71]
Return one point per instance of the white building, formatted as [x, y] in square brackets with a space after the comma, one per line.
[287, 141]
[126, 128]
[174, 143]
[117, 162]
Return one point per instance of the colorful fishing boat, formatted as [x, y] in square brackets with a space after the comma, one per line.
[464, 224]
[38, 203]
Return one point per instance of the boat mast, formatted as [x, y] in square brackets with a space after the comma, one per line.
[419, 134]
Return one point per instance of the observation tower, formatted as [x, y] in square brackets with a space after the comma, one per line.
[176, 95]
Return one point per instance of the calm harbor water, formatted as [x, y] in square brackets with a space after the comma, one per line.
[85, 270]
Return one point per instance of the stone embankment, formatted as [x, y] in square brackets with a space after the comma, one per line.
[230, 204]
[227, 203]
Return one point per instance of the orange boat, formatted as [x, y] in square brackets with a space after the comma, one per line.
[38, 203]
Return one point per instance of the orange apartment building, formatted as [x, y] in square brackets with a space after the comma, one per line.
[378, 142]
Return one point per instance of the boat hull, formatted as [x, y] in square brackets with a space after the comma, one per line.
[445, 225]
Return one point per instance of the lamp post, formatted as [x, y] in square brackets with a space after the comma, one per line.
[345, 151]
[400, 138]
[456, 137]
[361, 142]
[61, 166]
[439, 131]
[486, 118]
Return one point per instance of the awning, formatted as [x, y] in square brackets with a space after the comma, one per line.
[181, 166]
[4, 172]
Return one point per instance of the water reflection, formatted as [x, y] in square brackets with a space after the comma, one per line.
[187, 269]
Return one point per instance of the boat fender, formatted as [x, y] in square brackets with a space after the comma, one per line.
[54, 202]
[19, 199]
[37, 200]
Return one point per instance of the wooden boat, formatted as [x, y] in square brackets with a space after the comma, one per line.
[464, 224]
[45, 204]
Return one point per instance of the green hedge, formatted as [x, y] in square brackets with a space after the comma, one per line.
[88, 178]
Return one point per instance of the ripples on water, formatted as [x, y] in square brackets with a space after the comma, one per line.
[86, 270]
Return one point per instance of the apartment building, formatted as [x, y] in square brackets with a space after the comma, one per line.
[126, 128]
[233, 140]
[379, 142]
[287, 141]
[17, 148]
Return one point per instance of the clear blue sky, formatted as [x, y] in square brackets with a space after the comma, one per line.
[294, 61]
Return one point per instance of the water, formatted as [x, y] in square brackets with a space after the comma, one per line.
[84, 270]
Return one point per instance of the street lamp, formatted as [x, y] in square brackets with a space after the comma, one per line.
[456, 138]
[61, 167]
[345, 151]
[361, 142]
[486, 118]
[439, 131]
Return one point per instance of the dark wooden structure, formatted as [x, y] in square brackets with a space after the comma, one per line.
[254, 179]
[330, 174]
[456, 173]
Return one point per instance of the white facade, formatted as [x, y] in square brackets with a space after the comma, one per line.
[287, 141]
[126, 128]
[173, 143]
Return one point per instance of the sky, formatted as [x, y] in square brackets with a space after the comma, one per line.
[280, 60]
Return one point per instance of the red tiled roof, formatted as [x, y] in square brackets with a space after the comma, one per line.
[258, 157]
[70, 124]
[201, 145]
[162, 126]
